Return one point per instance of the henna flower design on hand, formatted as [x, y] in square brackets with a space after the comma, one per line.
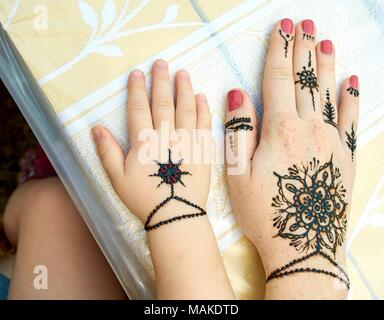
[311, 210]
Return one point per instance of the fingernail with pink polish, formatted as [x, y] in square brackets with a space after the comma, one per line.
[308, 26]
[354, 82]
[286, 25]
[326, 47]
[235, 99]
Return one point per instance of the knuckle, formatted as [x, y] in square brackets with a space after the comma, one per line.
[281, 73]
[308, 45]
[326, 67]
[164, 103]
[138, 106]
[187, 108]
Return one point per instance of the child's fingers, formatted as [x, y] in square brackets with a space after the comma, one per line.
[163, 109]
[139, 113]
[203, 114]
[186, 103]
[109, 152]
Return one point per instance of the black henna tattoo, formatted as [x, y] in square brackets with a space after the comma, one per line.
[308, 79]
[235, 120]
[170, 173]
[309, 37]
[351, 141]
[287, 38]
[242, 126]
[353, 91]
[237, 124]
[311, 213]
[231, 140]
[329, 111]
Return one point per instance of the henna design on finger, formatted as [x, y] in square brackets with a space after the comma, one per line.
[351, 141]
[310, 211]
[353, 92]
[170, 173]
[309, 37]
[329, 111]
[236, 124]
[308, 79]
[287, 38]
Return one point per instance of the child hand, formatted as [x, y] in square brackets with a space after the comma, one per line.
[153, 180]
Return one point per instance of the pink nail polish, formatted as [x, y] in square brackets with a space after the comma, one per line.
[308, 26]
[354, 82]
[326, 47]
[235, 99]
[286, 25]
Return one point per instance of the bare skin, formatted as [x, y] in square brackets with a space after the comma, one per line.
[294, 131]
[185, 255]
[45, 226]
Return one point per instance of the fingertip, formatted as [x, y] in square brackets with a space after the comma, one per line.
[326, 47]
[97, 133]
[136, 79]
[202, 102]
[182, 75]
[203, 112]
[160, 64]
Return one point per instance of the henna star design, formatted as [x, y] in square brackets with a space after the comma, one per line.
[171, 174]
[308, 79]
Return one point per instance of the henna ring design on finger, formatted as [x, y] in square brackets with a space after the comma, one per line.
[171, 174]
[353, 92]
[308, 79]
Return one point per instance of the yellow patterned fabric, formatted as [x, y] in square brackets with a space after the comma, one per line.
[80, 53]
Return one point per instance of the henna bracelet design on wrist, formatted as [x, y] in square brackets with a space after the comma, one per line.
[311, 213]
[170, 173]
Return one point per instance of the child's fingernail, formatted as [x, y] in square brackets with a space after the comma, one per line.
[308, 26]
[202, 97]
[136, 74]
[161, 64]
[286, 25]
[97, 134]
[354, 82]
[183, 74]
[235, 99]
[326, 47]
